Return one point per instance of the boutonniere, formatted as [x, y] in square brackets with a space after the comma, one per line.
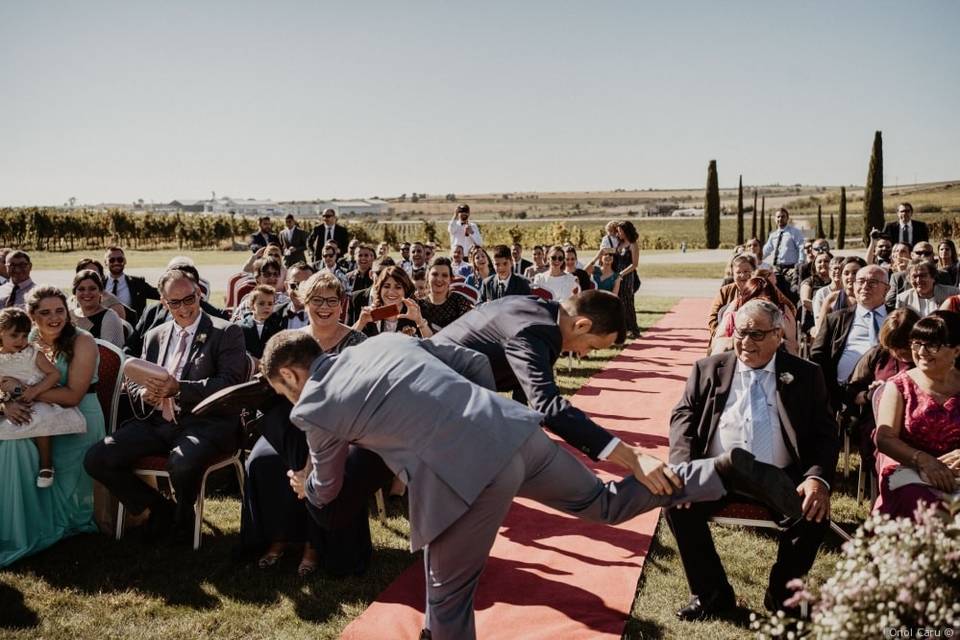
[201, 338]
[785, 378]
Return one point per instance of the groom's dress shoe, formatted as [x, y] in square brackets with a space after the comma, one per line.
[711, 607]
[742, 473]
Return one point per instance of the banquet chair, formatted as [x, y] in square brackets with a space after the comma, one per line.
[749, 514]
[110, 381]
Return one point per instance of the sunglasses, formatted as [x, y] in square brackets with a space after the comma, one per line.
[329, 255]
[557, 258]
[113, 260]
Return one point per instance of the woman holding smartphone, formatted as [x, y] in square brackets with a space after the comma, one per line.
[392, 306]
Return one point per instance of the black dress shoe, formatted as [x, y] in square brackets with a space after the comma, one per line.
[742, 473]
[774, 603]
[711, 607]
[246, 397]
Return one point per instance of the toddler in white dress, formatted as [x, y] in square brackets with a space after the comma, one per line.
[25, 373]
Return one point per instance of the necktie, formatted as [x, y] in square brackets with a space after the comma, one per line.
[905, 235]
[501, 289]
[776, 249]
[762, 445]
[329, 234]
[12, 300]
[174, 368]
[116, 283]
[875, 317]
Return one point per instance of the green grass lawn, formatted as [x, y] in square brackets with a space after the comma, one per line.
[92, 587]
[137, 259]
[713, 270]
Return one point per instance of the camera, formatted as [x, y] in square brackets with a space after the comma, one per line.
[875, 233]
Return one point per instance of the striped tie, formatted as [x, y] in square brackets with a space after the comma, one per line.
[762, 445]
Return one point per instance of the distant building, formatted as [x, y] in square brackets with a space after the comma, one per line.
[227, 205]
[357, 207]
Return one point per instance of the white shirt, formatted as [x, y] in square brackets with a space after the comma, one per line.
[818, 297]
[122, 292]
[861, 338]
[23, 289]
[609, 242]
[562, 286]
[735, 428]
[174, 342]
[926, 306]
[458, 235]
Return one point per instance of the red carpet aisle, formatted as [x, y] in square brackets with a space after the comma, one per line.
[551, 575]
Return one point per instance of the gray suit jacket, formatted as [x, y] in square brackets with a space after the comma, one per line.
[216, 360]
[428, 410]
[941, 292]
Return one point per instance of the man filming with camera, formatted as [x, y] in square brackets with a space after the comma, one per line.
[462, 231]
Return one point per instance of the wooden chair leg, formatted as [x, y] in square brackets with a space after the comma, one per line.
[381, 506]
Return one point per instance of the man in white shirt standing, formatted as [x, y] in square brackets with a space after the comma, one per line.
[776, 406]
[14, 292]
[784, 244]
[463, 232]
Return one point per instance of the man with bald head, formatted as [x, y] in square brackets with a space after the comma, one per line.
[849, 333]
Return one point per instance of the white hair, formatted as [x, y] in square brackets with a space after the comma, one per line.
[753, 307]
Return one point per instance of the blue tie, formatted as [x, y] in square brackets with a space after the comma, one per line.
[762, 445]
[875, 317]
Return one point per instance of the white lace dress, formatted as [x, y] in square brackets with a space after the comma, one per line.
[47, 419]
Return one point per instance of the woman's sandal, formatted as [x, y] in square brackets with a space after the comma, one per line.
[45, 478]
[269, 559]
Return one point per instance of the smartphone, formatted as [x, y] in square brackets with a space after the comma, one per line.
[385, 313]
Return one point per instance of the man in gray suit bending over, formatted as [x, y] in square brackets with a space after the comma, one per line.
[431, 412]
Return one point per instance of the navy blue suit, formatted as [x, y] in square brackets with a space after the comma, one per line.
[516, 286]
[521, 337]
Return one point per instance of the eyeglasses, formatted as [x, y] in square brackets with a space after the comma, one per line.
[114, 260]
[327, 217]
[329, 255]
[924, 253]
[270, 274]
[319, 301]
[189, 300]
[932, 347]
[868, 283]
[756, 335]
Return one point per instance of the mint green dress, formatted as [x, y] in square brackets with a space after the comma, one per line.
[32, 519]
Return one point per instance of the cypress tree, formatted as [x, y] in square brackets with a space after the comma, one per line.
[820, 221]
[830, 232]
[711, 208]
[740, 212]
[763, 220]
[753, 229]
[873, 194]
[842, 231]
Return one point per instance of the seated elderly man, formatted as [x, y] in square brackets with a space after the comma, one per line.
[14, 292]
[202, 355]
[847, 334]
[775, 405]
[925, 294]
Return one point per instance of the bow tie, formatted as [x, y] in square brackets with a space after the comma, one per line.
[299, 314]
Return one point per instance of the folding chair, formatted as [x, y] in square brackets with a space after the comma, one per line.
[155, 467]
[109, 381]
[540, 292]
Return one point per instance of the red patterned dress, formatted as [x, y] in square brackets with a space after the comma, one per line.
[929, 426]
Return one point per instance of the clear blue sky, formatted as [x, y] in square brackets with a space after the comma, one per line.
[114, 101]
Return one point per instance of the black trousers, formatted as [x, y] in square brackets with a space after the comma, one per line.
[704, 570]
[340, 530]
[190, 446]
